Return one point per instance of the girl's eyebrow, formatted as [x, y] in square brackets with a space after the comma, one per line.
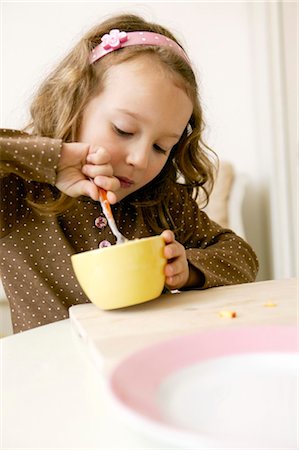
[138, 116]
[129, 113]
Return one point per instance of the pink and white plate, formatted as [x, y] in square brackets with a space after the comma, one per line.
[234, 388]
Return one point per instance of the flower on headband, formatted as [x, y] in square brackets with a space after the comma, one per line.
[114, 39]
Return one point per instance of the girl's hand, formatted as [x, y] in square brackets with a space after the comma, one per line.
[179, 274]
[177, 268]
[79, 162]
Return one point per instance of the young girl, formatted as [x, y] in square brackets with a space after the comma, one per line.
[120, 112]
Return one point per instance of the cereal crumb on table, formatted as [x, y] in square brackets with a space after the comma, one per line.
[270, 304]
[228, 314]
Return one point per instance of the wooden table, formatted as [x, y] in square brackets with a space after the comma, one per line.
[54, 397]
[111, 335]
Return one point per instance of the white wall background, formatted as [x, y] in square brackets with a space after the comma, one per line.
[245, 54]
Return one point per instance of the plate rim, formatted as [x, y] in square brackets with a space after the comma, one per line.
[154, 424]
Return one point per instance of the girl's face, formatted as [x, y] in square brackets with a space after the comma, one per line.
[138, 117]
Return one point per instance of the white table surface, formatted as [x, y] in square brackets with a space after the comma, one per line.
[54, 395]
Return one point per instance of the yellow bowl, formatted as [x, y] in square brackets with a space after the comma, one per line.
[122, 275]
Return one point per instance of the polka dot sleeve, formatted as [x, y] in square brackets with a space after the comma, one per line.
[32, 158]
[218, 253]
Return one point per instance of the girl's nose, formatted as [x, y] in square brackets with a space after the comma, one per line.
[138, 155]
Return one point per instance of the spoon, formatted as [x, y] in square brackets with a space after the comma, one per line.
[120, 239]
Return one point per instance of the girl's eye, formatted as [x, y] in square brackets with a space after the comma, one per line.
[159, 149]
[127, 134]
[121, 132]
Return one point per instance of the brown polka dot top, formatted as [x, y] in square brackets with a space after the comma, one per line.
[35, 249]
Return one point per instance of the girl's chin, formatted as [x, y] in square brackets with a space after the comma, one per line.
[122, 193]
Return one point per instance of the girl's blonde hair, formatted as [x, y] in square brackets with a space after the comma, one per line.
[57, 110]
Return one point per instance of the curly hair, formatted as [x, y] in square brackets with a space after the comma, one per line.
[57, 109]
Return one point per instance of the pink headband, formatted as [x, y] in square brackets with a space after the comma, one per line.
[118, 39]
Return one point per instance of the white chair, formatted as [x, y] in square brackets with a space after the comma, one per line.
[226, 200]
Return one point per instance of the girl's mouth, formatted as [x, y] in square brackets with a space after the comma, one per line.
[125, 182]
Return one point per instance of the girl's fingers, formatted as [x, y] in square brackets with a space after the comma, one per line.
[168, 236]
[172, 282]
[81, 187]
[112, 198]
[175, 267]
[174, 250]
[98, 155]
[98, 168]
[176, 281]
[92, 171]
[107, 183]
[91, 190]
